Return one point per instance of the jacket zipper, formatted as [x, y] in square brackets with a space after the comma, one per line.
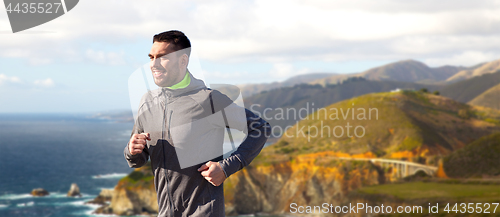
[170, 202]
[169, 122]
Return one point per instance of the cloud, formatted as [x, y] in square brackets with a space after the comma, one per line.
[277, 72]
[217, 77]
[467, 58]
[44, 83]
[16, 83]
[6, 80]
[102, 57]
[269, 31]
[397, 6]
[282, 71]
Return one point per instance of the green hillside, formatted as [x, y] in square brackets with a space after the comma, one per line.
[467, 90]
[478, 158]
[424, 124]
[490, 98]
[315, 97]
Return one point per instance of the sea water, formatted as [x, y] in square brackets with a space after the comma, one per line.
[52, 151]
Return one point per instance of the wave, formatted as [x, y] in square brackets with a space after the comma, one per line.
[81, 203]
[89, 211]
[3, 206]
[9, 197]
[31, 203]
[56, 195]
[110, 176]
[15, 196]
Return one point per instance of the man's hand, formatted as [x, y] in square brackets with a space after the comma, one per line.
[213, 173]
[137, 143]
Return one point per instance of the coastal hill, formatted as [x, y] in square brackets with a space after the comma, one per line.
[393, 123]
[405, 70]
[304, 98]
[411, 71]
[489, 98]
[466, 90]
[301, 167]
[251, 89]
[477, 70]
[477, 159]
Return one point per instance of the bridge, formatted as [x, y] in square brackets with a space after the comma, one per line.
[405, 168]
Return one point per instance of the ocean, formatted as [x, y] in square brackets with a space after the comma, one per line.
[52, 151]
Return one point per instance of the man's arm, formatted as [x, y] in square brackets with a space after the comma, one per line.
[235, 117]
[136, 151]
[258, 133]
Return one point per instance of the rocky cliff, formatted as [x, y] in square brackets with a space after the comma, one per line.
[310, 179]
[133, 195]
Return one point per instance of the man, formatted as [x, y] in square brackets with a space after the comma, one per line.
[180, 127]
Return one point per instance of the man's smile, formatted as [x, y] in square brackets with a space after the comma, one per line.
[158, 73]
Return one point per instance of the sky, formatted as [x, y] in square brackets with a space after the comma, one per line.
[82, 61]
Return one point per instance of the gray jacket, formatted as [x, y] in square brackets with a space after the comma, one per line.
[187, 129]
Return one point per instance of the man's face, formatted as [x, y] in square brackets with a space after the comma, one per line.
[167, 68]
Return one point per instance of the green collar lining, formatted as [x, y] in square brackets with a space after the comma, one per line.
[182, 84]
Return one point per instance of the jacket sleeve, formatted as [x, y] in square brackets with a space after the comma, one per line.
[138, 160]
[236, 117]
[258, 133]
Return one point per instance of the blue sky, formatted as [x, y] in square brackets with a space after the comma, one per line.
[81, 61]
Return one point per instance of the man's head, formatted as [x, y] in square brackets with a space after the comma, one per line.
[169, 57]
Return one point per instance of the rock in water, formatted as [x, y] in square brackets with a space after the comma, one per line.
[39, 192]
[74, 191]
[102, 199]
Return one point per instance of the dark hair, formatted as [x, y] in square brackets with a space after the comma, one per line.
[176, 38]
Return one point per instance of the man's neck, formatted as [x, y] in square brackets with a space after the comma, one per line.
[183, 83]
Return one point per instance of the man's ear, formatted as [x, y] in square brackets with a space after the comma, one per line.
[183, 61]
